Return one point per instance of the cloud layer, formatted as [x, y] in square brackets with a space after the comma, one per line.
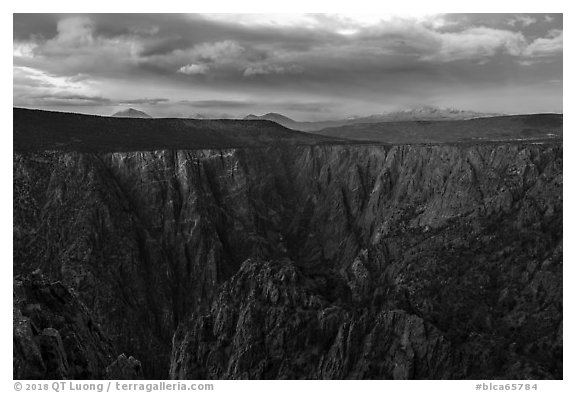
[309, 66]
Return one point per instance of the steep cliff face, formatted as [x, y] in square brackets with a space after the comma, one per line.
[272, 320]
[57, 337]
[398, 262]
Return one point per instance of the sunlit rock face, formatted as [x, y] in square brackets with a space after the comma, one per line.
[429, 261]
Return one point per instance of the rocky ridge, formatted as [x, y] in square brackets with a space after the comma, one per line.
[438, 261]
[56, 337]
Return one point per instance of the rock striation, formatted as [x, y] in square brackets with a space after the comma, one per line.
[124, 368]
[55, 336]
[322, 261]
[273, 321]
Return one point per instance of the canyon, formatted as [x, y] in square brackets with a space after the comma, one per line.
[314, 258]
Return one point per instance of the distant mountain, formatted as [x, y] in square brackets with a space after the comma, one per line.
[425, 113]
[130, 112]
[199, 116]
[275, 117]
[212, 116]
[527, 128]
[414, 114]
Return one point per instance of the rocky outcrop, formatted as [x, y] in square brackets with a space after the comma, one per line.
[545, 127]
[55, 336]
[274, 321]
[124, 368]
[459, 246]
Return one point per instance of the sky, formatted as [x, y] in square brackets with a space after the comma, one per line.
[305, 66]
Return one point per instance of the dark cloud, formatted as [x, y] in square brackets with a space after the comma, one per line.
[64, 99]
[217, 104]
[69, 99]
[322, 107]
[34, 26]
[307, 66]
[144, 101]
[290, 106]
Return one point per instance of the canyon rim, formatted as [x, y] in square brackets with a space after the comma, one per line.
[287, 197]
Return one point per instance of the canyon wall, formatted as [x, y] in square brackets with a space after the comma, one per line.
[413, 261]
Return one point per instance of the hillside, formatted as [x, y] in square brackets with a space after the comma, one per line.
[275, 117]
[43, 130]
[492, 129]
[426, 113]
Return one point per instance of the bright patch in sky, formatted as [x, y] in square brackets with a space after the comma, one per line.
[307, 66]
